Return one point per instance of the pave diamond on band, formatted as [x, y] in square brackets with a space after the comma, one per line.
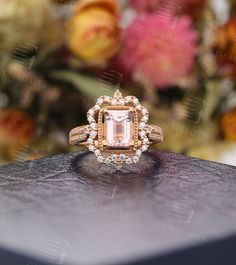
[118, 132]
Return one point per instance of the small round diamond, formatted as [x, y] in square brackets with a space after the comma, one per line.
[93, 134]
[138, 153]
[135, 101]
[91, 112]
[135, 159]
[122, 102]
[144, 111]
[128, 98]
[128, 161]
[145, 140]
[142, 134]
[144, 119]
[91, 148]
[100, 101]
[94, 126]
[100, 159]
[113, 157]
[90, 140]
[144, 148]
[91, 119]
[97, 152]
[122, 157]
[114, 102]
[107, 99]
[142, 125]
[138, 107]
[108, 160]
[96, 107]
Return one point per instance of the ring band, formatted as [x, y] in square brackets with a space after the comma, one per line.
[80, 134]
[118, 131]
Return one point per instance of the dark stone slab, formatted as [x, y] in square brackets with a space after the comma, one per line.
[69, 209]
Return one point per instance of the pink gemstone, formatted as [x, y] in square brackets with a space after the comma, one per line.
[118, 128]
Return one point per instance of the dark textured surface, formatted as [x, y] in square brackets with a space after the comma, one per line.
[69, 209]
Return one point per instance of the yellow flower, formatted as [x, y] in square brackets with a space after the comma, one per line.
[93, 30]
[26, 22]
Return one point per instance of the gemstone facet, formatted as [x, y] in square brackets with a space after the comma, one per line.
[118, 128]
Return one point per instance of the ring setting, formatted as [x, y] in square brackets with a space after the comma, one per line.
[118, 131]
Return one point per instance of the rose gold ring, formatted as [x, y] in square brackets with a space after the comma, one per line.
[118, 132]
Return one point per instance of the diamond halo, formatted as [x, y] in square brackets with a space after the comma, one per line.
[118, 103]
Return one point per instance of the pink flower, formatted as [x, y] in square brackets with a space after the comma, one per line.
[159, 48]
[190, 7]
[145, 5]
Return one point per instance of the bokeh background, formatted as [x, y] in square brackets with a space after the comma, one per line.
[177, 56]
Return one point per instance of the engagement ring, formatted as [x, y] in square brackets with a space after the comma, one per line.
[118, 131]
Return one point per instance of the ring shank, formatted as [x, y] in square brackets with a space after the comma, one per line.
[80, 135]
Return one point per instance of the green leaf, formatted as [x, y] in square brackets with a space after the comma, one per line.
[90, 86]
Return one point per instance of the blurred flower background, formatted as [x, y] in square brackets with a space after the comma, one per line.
[177, 56]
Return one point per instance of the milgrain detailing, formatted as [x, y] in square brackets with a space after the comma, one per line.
[78, 134]
[118, 132]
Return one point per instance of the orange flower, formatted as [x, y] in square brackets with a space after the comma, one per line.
[228, 125]
[226, 37]
[93, 30]
[16, 129]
